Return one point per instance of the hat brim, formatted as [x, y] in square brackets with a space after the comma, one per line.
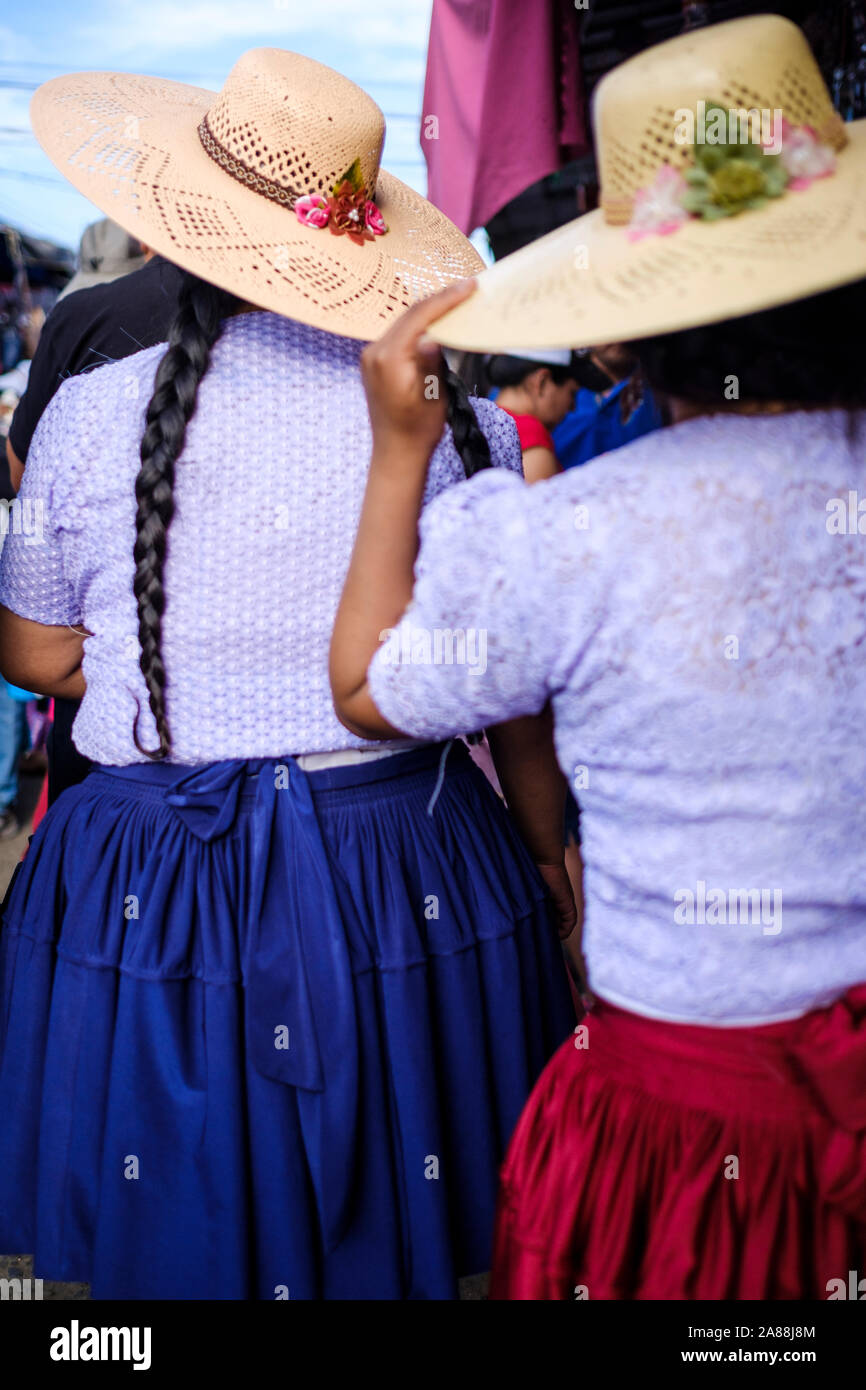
[130, 144]
[588, 283]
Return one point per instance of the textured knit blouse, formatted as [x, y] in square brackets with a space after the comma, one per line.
[695, 607]
[268, 492]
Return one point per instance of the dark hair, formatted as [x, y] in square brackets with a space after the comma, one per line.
[503, 370]
[196, 327]
[469, 439]
[810, 354]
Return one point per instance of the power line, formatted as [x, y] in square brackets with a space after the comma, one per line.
[35, 178]
[34, 87]
[60, 70]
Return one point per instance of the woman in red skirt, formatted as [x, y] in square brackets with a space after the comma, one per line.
[693, 610]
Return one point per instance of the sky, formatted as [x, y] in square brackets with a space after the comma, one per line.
[381, 45]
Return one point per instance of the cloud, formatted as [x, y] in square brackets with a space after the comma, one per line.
[16, 48]
[165, 27]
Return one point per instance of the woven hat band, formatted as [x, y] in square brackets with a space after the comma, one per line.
[237, 169]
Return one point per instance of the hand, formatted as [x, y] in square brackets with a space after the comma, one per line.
[403, 375]
[562, 897]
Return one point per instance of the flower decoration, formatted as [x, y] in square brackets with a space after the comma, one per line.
[312, 210]
[347, 211]
[373, 219]
[659, 209]
[731, 177]
[728, 177]
[804, 156]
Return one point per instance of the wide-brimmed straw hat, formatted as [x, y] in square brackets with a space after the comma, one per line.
[271, 188]
[691, 230]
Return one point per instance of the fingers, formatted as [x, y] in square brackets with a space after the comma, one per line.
[565, 929]
[412, 325]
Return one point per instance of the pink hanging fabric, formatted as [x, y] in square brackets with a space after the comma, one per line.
[504, 86]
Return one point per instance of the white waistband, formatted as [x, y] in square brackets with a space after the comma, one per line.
[345, 757]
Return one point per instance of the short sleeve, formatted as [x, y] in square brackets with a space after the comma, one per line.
[533, 434]
[33, 581]
[472, 649]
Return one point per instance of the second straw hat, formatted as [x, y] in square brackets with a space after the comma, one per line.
[691, 228]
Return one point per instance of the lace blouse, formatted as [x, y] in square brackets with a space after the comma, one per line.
[268, 492]
[694, 605]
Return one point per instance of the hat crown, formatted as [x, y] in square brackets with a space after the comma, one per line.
[762, 63]
[296, 123]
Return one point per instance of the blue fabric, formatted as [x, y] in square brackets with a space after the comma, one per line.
[169, 928]
[13, 727]
[595, 425]
[24, 696]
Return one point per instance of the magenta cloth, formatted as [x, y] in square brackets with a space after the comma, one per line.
[504, 84]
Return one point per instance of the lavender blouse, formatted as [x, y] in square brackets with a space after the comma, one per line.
[268, 493]
[695, 607]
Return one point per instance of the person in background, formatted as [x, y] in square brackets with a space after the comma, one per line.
[12, 740]
[131, 296]
[613, 407]
[122, 300]
[538, 390]
[106, 252]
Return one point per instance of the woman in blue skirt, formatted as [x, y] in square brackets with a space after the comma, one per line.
[271, 998]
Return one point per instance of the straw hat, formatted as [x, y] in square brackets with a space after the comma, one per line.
[690, 230]
[271, 188]
[106, 253]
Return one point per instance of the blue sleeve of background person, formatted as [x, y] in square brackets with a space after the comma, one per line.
[595, 427]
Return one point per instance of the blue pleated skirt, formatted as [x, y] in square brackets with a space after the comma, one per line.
[265, 1034]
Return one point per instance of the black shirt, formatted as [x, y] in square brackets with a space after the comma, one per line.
[82, 332]
[92, 327]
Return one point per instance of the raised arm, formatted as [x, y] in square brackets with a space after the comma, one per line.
[407, 418]
[404, 381]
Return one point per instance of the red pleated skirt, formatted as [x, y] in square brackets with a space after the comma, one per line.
[664, 1161]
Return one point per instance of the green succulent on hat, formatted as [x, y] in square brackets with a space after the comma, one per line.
[731, 176]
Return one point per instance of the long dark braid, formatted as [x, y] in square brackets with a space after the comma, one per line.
[470, 443]
[196, 327]
[469, 438]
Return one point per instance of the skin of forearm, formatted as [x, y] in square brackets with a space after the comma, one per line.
[72, 687]
[41, 658]
[533, 783]
[379, 582]
[16, 467]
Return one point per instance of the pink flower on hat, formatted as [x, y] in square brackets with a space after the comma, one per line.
[804, 156]
[346, 212]
[373, 219]
[658, 208]
[312, 210]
